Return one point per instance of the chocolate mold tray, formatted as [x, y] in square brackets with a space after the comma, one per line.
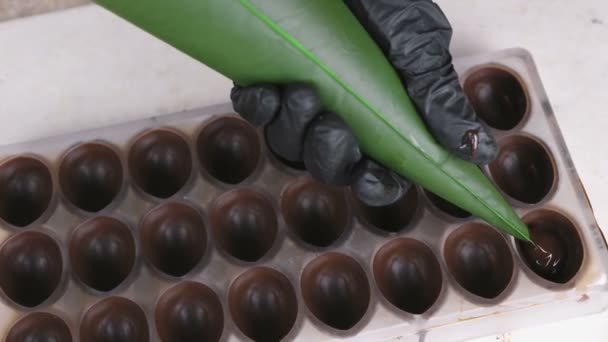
[185, 228]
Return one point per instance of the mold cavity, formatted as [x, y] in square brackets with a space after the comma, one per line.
[229, 149]
[114, 319]
[479, 259]
[26, 189]
[523, 169]
[263, 304]
[91, 176]
[408, 275]
[30, 268]
[189, 312]
[244, 224]
[497, 96]
[559, 252]
[39, 327]
[336, 290]
[160, 163]
[173, 238]
[102, 253]
[446, 206]
[391, 218]
[316, 213]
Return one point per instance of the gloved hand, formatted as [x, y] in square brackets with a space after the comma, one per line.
[415, 36]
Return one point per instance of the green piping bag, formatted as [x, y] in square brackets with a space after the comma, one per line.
[321, 43]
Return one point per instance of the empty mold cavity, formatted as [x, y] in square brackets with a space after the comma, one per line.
[114, 319]
[479, 259]
[244, 224]
[263, 304]
[408, 275]
[523, 169]
[390, 218]
[160, 163]
[498, 96]
[189, 312]
[39, 327]
[336, 290]
[26, 190]
[318, 214]
[558, 253]
[30, 268]
[173, 238]
[102, 253]
[446, 206]
[91, 176]
[229, 149]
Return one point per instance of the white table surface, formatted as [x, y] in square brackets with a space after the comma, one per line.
[85, 68]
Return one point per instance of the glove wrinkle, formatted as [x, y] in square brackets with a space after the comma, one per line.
[442, 96]
[285, 134]
[415, 36]
[377, 186]
[331, 150]
[257, 104]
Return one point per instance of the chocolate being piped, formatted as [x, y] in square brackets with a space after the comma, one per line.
[557, 252]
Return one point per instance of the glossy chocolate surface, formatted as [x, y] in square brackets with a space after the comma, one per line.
[244, 224]
[30, 268]
[160, 163]
[26, 190]
[318, 214]
[189, 312]
[523, 169]
[229, 149]
[497, 96]
[336, 290]
[39, 327]
[173, 238]
[91, 176]
[559, 251]
[114, 319]
[263, 304]
[479, 259]
[408, 275]
[102, 252]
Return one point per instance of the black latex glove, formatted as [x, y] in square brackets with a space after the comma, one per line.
[415, 36]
